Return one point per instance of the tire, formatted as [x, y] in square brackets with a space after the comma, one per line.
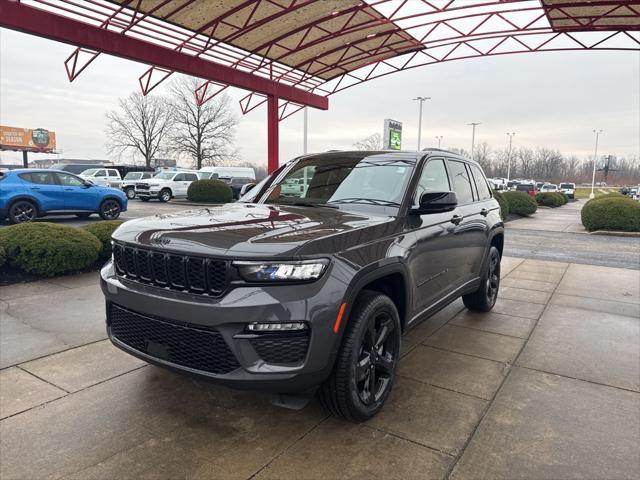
[22, 211]
[484, 298]
[165, 195]
[83, 215]
[144, 199]
[347, 391]
[110, 209]
[130, 193]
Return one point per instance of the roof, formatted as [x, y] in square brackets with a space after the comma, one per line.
[581, 15]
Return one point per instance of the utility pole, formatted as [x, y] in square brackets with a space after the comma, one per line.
[439, 138]
[473, 136]
[306, 125]
[509, 156]
[421, 100]
[595, 159]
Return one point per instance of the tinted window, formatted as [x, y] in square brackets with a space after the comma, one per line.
[524, 188]
[481, 183]
[461, 182]
[146, 175]
[113, 173]
[433, 178]
[69, 180]
[179, 178]
[100, 173]
[567, 185]
[41, 178]
[190, 177]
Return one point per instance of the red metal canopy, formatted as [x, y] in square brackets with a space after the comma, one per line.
[299, 52]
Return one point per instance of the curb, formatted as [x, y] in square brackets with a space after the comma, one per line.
[615, 233]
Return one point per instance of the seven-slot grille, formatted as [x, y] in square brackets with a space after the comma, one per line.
[168, 270]
[196, 348]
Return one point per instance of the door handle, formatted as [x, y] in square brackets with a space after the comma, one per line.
[484, 212]
[69, 189]
[456, 219]
[35, 188]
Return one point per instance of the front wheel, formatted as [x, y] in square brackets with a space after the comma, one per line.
[165, 195]
[110, 209]
[365, 368]
[483, 299]
[22, 211]
[131, 193]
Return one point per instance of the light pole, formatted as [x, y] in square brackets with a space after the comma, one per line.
[439, 138]
[473, 136]
[509, 155]
[420, 99]
[595, 159]
[306, 124]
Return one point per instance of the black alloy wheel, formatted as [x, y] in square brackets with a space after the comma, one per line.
[483, 299]
[110, 209]
[365, 367]
[22, 211]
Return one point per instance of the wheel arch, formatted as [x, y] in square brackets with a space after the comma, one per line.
[111, 197]
[28, 197]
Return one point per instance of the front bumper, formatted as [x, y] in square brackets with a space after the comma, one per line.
[243, 360]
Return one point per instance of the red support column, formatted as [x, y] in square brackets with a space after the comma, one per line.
[272, 133]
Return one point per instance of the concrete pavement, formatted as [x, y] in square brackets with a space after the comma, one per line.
[545, 386]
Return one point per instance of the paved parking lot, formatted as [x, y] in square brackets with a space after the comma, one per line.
[545, 386]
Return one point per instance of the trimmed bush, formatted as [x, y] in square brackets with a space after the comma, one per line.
[565, 197]
[48, 249]
[3, 256]
[615, 213]
[209, 191]
[103, 231]
[520, 203]
[550, 199]
[504, 205]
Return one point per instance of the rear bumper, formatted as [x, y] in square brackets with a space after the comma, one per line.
[248, 361]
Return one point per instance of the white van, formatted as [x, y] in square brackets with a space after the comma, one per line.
[227, 172]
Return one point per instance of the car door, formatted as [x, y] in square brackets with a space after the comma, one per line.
[188, 178]
[44, 187]
[469, 239]
[77, 196]
[432, 260]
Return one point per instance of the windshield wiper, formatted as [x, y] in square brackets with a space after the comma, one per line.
[370, 201]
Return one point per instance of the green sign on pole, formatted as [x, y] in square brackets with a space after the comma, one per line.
[392, 134]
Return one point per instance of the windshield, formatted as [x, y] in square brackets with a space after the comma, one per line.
[165, 175]
[91, 171]
[133, 176]
[344, 179]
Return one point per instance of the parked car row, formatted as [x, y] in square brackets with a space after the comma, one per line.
[532, 187]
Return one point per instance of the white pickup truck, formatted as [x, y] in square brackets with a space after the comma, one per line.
[166, 185]
[107, 177]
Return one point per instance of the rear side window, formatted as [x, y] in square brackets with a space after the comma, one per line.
[190, 177]
[481, 183]
[113, 173]
[461, 182]
[41, 178]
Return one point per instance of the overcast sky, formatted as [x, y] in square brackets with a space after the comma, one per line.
[550, 99]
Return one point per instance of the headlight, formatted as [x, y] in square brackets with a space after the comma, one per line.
[282, 271]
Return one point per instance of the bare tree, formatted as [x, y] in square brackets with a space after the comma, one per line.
[141, 126]
[203, 133]
[372, 142]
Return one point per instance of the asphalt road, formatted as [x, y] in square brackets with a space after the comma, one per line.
[602, 250]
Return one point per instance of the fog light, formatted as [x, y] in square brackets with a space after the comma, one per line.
[277, 327]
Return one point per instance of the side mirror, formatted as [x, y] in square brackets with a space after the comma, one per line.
[436, 202]
[87, 184]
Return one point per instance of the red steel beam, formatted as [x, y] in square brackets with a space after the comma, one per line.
[272, 133]
[17, 16]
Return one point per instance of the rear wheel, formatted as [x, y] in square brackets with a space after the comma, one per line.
[364, 371]
[110, 209]
[165, 195]
[22, 211]
[483, 299]
[130, 192]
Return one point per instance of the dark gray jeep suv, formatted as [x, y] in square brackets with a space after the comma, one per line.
[305, 289]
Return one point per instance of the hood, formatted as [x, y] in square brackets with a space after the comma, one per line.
[242, 230]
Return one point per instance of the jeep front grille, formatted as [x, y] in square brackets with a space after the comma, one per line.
[177, 272]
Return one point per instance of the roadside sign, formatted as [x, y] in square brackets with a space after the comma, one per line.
[392, 134]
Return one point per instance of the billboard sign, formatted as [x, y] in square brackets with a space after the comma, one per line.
[26, 139]
[392, 134]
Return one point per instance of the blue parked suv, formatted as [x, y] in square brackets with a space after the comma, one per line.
[26, 194]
